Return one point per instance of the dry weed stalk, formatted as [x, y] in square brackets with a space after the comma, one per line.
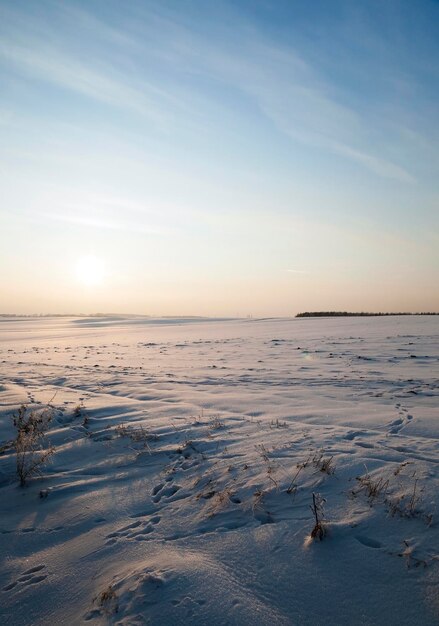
[407, 505]
[138, 434]
[80, 412]
[277, 424]
[292, 486]
[258, 498]
[271, 467]
[372, 487]
[410, 559]
[220, 500]
[323, 464]
[319, 531]
[107, 600]
[31, 427]
[215, 423]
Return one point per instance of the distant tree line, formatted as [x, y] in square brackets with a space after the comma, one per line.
[60, 315]
[351, 314]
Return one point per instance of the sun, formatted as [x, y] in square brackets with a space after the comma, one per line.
[90, 271]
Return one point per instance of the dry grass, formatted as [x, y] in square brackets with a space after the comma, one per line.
[324, 464]
[407, 505]
[31, 427]
[107, 601]
[277, 424]
[372, 487]
[320, 530]
[79, 412]
[138, 434]
[258, 500]
[215, 423]
[410, 559]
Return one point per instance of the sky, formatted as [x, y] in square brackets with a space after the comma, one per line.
[219, 158]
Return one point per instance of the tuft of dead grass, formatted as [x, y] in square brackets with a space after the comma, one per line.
[317, 507]
[31, 427]
[107, 600]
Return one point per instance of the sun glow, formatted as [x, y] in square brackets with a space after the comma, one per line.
[90, 271]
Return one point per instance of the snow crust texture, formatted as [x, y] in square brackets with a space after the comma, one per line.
[187, 453]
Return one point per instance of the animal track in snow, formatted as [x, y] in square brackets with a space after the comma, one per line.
[398, 424]
[368, 542]
[31, 576]
[364, 444]
[351, 435]
[136, 530]
[160, 491]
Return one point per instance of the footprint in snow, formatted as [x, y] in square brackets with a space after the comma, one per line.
[368, 542]
[351, 435]
[396, 426]
[136, 530]
[404, 418]
[160, 491]
[364, 444]
[31, 576]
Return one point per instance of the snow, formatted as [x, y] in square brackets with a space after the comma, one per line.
[187, 453]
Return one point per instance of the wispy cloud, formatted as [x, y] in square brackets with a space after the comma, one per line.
[103, 223]
[293, 96]
[162, 64]
[288, 89]
[376, 164]
[48, 64]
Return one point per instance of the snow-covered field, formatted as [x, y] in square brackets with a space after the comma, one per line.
[187, 456]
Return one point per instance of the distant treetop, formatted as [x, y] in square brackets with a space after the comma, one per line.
[351, 314]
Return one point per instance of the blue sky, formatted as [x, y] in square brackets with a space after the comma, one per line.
[219, 157]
